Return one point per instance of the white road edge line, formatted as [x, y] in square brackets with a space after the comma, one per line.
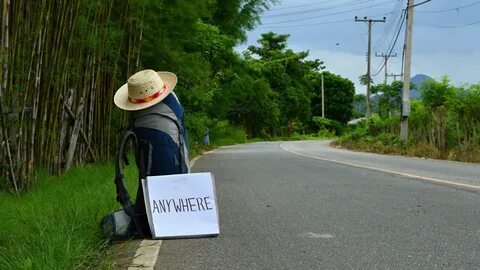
[147, 253]
[424, 178]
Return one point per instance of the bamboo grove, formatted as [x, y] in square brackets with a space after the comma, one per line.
[63, 60]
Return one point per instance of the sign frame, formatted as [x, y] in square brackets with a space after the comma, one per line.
[208, 221]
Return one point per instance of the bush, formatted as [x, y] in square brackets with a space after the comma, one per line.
[332, 126]
[223, 133]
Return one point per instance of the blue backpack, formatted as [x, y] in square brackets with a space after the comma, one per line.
[160, 139]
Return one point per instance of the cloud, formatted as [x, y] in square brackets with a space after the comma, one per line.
[460, 68]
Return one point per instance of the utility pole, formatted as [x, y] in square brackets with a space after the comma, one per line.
[395, 76]
[323, 99]
[406, 72]
[323, 91]
[386, 57]
[369, 56]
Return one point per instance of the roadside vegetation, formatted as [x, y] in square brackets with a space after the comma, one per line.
[57, 224]
[444, 123]
[65, 60]
[62, 61]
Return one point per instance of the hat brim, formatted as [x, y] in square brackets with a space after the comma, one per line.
[121, 96]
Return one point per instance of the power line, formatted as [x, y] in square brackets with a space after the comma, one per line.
[454, 26]
[316, 24]
[302, 5]
[385, 58]
[327, 15]
[396, 11]
[419, 4]
[451, 9]
[304, 25]
[399, 29]
[316, 9]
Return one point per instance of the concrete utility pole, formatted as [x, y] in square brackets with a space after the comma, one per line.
[369, 56]
[407, 73]
[323, 98]
[323, 92]
[386, 57]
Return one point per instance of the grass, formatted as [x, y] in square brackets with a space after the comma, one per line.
[391, 144]
[56, 225]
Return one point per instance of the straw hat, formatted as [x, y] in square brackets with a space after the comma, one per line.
[144, 89]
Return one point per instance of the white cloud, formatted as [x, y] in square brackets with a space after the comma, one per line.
[460, 68]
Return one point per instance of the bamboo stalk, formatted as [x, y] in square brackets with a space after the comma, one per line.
[5, 49]
[63, 132]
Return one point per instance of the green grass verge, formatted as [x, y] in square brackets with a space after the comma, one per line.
[56, 225]
[385, 143]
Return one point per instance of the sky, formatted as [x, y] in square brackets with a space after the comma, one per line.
[446, 36]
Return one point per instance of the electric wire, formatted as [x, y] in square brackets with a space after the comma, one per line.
[450, 9]
[303, 5]
[347, 4]
[396, 12]
[326, 15]
[394, 43]
[419, 4]
[455, 26]
[316, 24]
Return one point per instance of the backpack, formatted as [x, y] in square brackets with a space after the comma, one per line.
[160, 140]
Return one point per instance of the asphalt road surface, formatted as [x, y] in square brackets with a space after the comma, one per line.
[305, 205]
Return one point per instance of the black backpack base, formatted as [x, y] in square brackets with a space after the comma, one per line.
[118, 226]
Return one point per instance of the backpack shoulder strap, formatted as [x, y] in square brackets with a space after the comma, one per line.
[123, 197]
[171, 109]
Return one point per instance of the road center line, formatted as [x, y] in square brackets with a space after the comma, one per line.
[423, 178]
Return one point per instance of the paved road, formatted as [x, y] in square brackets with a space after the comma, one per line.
[284, 206]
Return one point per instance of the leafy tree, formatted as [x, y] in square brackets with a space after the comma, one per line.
[438, 97]
[364, 79]
[359, 105]
[287, 73]
[436, 94]
[389, 98]
[466, 113]
[248, 100]
[339, 95]
[234, 17]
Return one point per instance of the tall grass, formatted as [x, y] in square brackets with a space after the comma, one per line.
[56, 225]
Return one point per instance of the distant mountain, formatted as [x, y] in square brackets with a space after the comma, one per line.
[414, 93]
[418, 80]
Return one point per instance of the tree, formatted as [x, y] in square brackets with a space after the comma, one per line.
[234, 17]
[359, 105]
[438, 97]
[389, 98]
[339, 96]
[288, 74]
[364, 79]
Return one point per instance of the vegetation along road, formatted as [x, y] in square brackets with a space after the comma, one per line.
[306, 205]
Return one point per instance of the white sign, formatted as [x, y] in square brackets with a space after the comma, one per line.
[181, 205]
